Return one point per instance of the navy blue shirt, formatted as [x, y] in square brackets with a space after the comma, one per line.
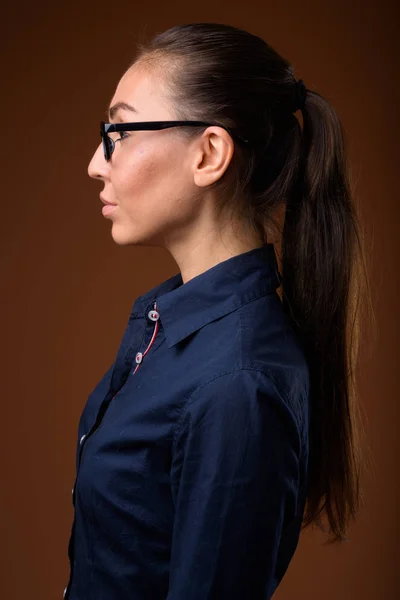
[192, 449]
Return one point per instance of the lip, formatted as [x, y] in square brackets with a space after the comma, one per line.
[106, 202]
[108, 207]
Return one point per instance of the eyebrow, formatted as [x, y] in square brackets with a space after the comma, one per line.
[119, 106]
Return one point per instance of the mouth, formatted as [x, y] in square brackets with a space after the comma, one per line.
[106, 202]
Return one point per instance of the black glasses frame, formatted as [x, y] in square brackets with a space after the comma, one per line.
[109, 144]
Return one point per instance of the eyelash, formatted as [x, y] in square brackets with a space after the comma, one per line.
[123, 136]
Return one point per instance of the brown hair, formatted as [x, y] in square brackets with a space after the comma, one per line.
[224, 75]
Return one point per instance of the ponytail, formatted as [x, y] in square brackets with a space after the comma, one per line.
[321, 280]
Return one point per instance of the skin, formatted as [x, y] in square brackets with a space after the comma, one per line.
[159, 182]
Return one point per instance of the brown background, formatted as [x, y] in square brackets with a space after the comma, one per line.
[67, 288]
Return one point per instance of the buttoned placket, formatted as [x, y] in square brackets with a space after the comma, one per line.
[153, 315]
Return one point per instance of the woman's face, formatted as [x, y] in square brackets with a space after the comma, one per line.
[149, 177]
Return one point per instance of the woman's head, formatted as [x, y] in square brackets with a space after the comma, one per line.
[180, 187]
[157, 179]
[182, 182]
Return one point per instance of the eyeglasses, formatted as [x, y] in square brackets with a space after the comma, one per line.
[109, 144]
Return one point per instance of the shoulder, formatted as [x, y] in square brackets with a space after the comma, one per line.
[247, 399]
[258, 337]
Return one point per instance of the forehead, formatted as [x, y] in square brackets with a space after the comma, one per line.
[142, 90]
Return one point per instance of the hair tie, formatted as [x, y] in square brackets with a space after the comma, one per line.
[300, 95]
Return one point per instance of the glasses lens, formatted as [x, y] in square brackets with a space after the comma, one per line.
[104, 147]
[108, 144]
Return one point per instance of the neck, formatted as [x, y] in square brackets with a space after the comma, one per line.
[209, 248]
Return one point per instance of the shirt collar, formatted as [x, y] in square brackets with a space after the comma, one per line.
[225, 287]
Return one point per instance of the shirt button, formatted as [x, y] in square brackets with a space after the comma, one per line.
[82, 439]
[139, 357]
[153, 315]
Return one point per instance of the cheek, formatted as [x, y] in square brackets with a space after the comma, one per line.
[134, 173]
[150, 178]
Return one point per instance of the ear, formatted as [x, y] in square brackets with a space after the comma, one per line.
[212, 155]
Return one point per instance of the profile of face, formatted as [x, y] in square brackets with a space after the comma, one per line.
[157, 180]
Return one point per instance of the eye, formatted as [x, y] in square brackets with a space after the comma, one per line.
[122, 136]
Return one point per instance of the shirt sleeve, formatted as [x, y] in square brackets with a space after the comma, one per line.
[235, 478]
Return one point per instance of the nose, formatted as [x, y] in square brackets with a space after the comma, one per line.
[98, 165]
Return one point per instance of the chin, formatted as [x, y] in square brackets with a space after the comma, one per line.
[128, 238]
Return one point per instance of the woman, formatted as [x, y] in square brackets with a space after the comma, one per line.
[227, 421]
